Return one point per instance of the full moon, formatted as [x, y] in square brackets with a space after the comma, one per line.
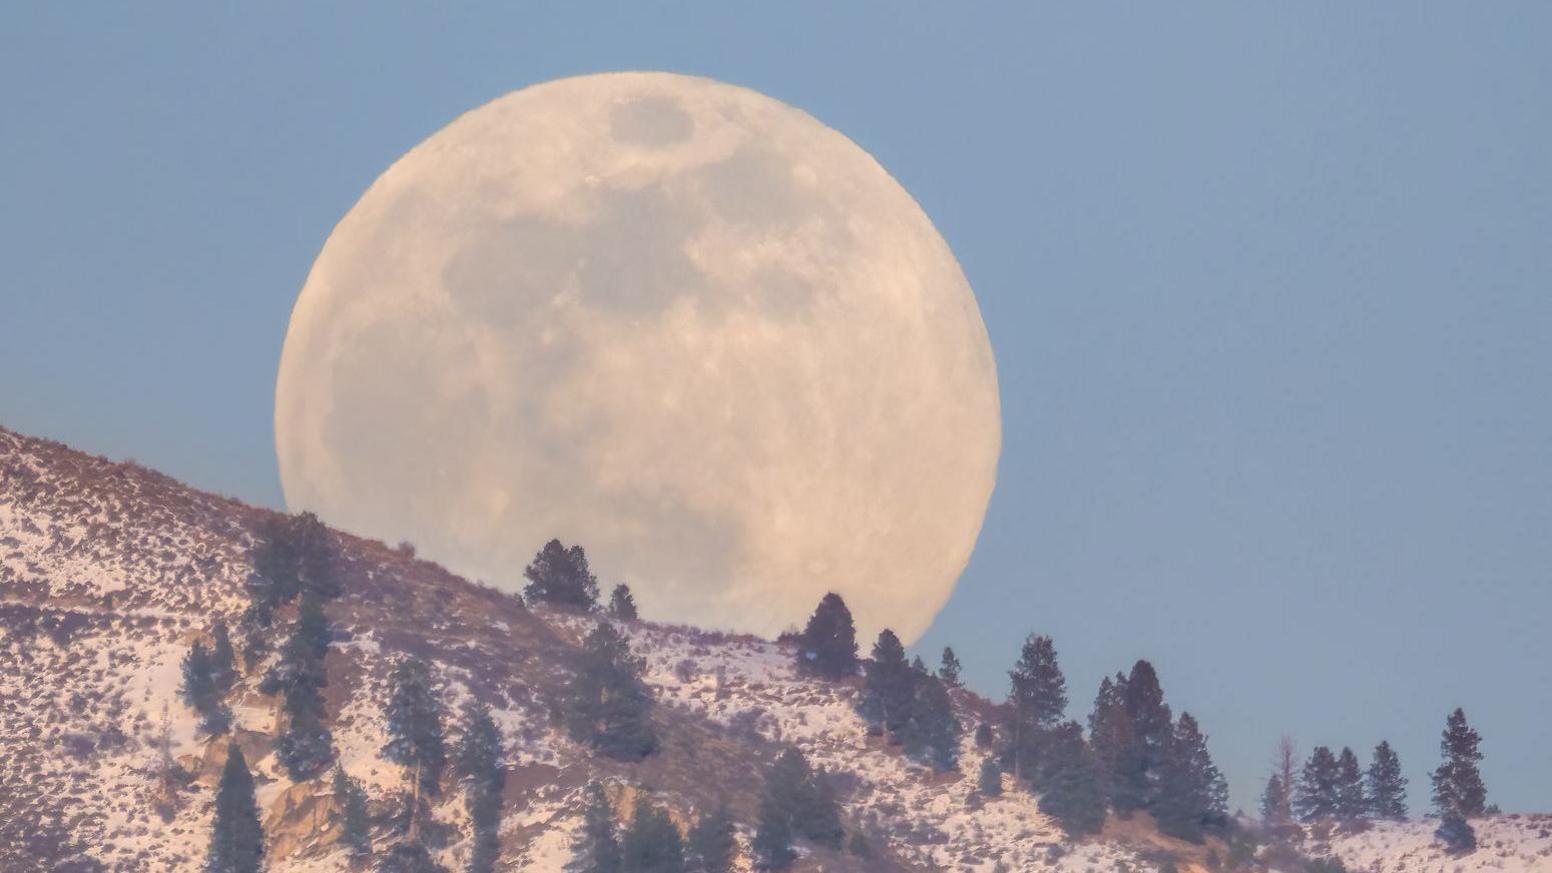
[677, 322]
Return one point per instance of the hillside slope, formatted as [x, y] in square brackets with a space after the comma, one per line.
[108, 572]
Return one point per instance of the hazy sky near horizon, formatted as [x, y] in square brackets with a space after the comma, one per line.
[1270, 290]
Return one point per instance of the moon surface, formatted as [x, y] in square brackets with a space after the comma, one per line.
[675, 321]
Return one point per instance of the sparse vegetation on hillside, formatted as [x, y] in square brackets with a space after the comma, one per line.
[99, 656]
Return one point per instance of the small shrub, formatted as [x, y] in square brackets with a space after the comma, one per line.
[686, 670]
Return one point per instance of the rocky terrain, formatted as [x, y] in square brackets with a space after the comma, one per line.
[108, 573]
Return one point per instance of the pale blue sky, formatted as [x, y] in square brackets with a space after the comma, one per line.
[1270, 288]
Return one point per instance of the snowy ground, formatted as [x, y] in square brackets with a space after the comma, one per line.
[1505, 844]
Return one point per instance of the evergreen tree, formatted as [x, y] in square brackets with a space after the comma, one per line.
[1275, 810]
[827, 647]
[1386, 786]
[1279, 800]
[597, 849]
[711, 843]
[931, 735]
[773, 837]
[1110, 729]
[1071, 782]
[818, 817]
[889, 687]
[223, 661]
[480, 760]
[355, 823]
[1457, 783]
[312, 631]
[409, 856]
[797, 802]
[559, 577]
[1351, 805]
[306, 746]
[199, 691]
[1193, 796]
[652, 844]
[479, 757]
[983, 736]
[292, 554]
[414, 716]
[236, 837]
[1457, 834]
[622, 604]
[1149, 731]
[1037, 698]
[858, 846]
[1316, 798]
[990, 780]
[606, 704]
[948, 669]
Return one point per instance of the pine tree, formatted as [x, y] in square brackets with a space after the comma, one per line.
[622, 604]
[859, 846]
[559, 577]
[1316, 798]
[1351, 805]
[711, 844]
[291, 554]
[414, 716]
[597, 849]
[1457, 834]
[827, 647]
[1037, 700]
[1457, 783]
[984, 736]
[480, 760]
[223, 661]
[606, 704]
[306, 746]
[199, 691]
[990, 780]
[1071, 782]
[1149, 732]
[312, 630]
[931, 735]
[798, 801]
[355, 824]
[409, 856]
[652, 844]
[889, 687]
[773, 837]
[1110, 729]
[1193, 796]
[948, 669]
[236, 837]
[1386, 786]
[1274, 806]
[1284, 767]
[818, 816]
[479, 757]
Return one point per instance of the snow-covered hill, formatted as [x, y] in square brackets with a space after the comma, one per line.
[108, 572]
[1505, 844]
